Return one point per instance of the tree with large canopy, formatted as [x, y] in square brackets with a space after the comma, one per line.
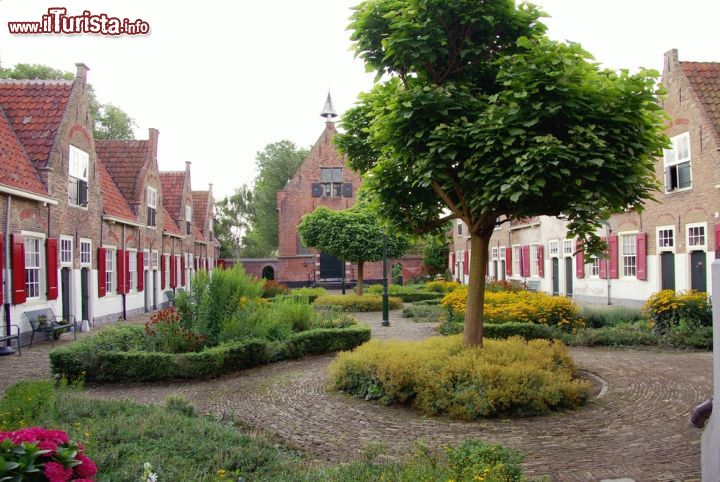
[353, 235]
[477, 115]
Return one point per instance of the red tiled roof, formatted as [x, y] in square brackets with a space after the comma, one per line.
[17, 171]
[35, 109]
[124, 160]
[172, 189]
[198, 235]
[200, 203]
[705, 79]
[168, 223]
[114, 203]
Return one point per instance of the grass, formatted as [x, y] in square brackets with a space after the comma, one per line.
[120, 437]
[423, 313]
[599, 316]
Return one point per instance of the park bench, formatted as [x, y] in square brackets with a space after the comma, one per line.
[170, 297]
[10, 336]
[45, 321]
[533, 284]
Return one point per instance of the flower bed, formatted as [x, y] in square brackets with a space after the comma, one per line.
[440, 376]
[407, 294]
[669, 309]
[358, 303]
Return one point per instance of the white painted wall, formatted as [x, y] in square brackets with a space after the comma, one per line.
[710, 445]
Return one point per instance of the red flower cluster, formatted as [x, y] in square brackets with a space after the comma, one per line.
[166, 325]
[54, 456]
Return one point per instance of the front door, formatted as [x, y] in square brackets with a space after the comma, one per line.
[667, 271]
[148, 293]
[555, 276]
[65, 282]
[85, 293]
[698, 275]
[495, 270]
[330, 266]
[502, 271]
[568, 277]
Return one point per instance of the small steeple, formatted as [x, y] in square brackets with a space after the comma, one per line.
[329, 110]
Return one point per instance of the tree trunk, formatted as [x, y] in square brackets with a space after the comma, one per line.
[361, 266]
[479, 243]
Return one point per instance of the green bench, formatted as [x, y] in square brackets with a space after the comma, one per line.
[45, 321]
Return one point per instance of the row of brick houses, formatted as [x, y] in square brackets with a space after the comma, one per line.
[670, 245]
[91, 228]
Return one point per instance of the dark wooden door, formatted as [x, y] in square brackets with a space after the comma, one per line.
[495, 270]
[330, 266]
[568, 277]
[65, 282]
[502, 270]
[555, 276]
[667, 271]
[698, 274]
[85, 293]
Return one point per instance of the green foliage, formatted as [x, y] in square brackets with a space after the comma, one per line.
[296, 314]
[24, 401]
[233, 215]
[310, 294]
[358, 303]
[439, 376]
[689, 335]
[435, 254]
[599, 316]
[272, 288]
[180, 404]
[34, 72]
[407, 294]
[668, 308]
[424, 313]
[636, 334]
[111, 122]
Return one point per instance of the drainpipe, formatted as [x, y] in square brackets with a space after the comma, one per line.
[7, 349]
[701, 413]
[124, 294]
[608, 232]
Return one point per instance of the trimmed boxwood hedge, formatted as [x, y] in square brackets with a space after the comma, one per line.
[529, 331]
[418, 296]
[83, 359]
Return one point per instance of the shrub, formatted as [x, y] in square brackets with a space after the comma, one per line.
[272, 288]
[440, 376]
[310, 294]
[636, 334]
[406, 293]
[528, 331]
[333, 319]
[442, 286]
[505, 285]
[667, 308]
[424, 313]
[166, 333]
[689, 335]
[357, 302]
[297, 314]
[599, 316]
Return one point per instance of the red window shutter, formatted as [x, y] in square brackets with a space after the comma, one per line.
[466, 262]
[121, 271]
[717, 239]
[525, 261]
[613, 256]
[162, 272]
[102, 252]
[452, 262]
[127, 272]
[141, 270]
[18, 269]
[603, 264]
[2, 272]
[508, 261]
[579, 260]
[541, 261]
[51, 264]
[182, 270]
[641, 256]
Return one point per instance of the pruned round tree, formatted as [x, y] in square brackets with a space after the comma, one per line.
[354, 235]
[477, 115]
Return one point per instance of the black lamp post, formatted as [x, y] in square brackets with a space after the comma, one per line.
[386, 316]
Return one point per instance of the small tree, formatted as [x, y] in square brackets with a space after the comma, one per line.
[353, 235]
[480, 117]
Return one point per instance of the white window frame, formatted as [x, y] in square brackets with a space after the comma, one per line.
[672, 159]
[659, 240]
[494, 252]
[516, 261]
[146, 259]
[83, 261]
[132, 269]
[152, 197]
[568, 245]
[502, 250]
[167, 268]
[78, 169]
[534, 261]
[696, 247]
[188, 213]
[554, 248]
[64, 262]
[39, 238]
[627, 269]
[110, 270]
[593, 267]
[154, 259]
[459, 227]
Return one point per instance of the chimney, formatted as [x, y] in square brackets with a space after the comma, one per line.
[153, 138]
[187, 166]
[210, 188]
[82, 71]
[671, 59]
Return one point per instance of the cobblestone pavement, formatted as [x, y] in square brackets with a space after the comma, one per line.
[638, 429]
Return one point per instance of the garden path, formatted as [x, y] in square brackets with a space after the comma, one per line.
[638, 429]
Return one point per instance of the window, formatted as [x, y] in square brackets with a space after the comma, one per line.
[331, 181]
[110, 271]
[666, 237]
[167, 268]
[178, 275]
[696, 235]
[85, 252]
[678, 174]
[502, 253]
[554, 247]
[516, 253]
[32, 267]
[459, 227]
[66, 251]
[534, 261]
[188, 219]
[79, 161]
[146, 259]
[494, 253]
[154, 259]
[132, 270]
[629, 254]
[568, 247]
[152, 206]
[594, 266]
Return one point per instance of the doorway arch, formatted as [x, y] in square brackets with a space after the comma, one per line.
[268, 272]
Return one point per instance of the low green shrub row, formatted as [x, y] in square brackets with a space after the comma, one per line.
[85, 359]
[424, 313]
[358, 303]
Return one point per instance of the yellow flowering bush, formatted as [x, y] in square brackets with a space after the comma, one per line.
[521, 306]
[440, 376]
[442, 286]
[668, 308]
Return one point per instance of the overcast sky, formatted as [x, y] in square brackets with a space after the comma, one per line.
[221, 79]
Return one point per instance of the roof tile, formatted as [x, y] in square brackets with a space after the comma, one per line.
[200, 203]
[124, 160]
[705, 80]
[114, 203]
[173, 183]
[17, 171]
[168, 223]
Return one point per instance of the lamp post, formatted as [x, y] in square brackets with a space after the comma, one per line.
[386, 317]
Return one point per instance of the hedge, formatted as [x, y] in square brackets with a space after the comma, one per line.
[356, 303]
[529, 331]
[82, 360]
[419, 296]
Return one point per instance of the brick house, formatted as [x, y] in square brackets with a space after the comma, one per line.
[83, 220]
[668, 246]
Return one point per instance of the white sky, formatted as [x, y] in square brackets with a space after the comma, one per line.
[221, 79]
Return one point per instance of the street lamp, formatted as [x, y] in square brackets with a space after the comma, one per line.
[386, 317]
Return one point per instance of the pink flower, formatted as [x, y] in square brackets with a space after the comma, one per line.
[56, 472]
[48, 445]
[83, 480]
[87, 467]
